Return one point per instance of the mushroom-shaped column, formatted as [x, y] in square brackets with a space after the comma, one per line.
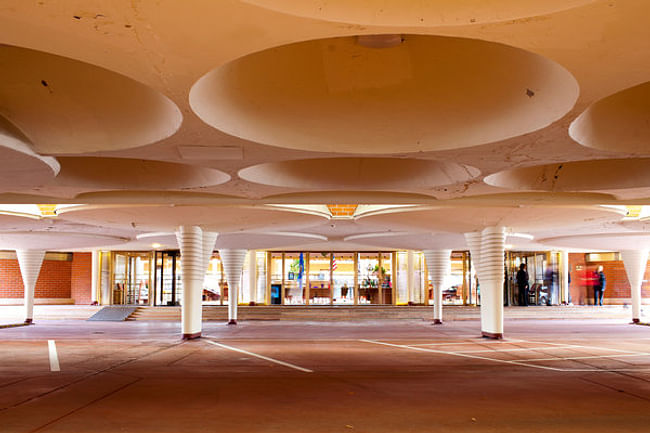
[491, 275]
[233, 263]
[439, 266]
[30, 262]
[193, 264]
[635, 264]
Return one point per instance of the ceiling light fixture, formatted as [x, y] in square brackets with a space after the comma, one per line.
[380, 41]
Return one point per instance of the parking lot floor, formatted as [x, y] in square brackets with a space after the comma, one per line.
[371, 376]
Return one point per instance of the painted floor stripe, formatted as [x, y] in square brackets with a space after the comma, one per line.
[515, 362]
[54, 358]
[462, 355]
[509, 350]
[621, 355]
[266, 358]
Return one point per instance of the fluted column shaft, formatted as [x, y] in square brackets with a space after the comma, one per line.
[439, 267]
[491, 278]
[233, 263]
[193, 265]
[30, 262]
[635, 262]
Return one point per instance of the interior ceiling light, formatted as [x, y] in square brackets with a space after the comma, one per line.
[155, 245]
[380, 41]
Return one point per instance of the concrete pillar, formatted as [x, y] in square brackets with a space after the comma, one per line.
[635, 262]
[491, 276]
[193, 265]
[233, 263]
[566, 268]
[439, 266]
[94, 276]
[410, 277]
[30, 262]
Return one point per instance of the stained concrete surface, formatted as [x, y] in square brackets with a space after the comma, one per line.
[372, 376]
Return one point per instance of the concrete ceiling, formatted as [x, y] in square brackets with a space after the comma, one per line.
[149, 115]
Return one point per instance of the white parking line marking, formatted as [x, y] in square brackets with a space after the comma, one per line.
[266, 358]
[463, 355]
[508, 350]
[581, 346]
[54, 358]
[618, 355]
[515, 362]
[492, 343]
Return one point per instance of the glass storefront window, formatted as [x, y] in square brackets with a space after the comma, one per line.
[275, 296]
[343, 278]
[320, 279]
[386, 278]
[294, 279]
[368, 278]
[215, 289]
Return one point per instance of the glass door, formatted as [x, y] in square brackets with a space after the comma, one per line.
[167, 278]
[343, 278]
[131, 278]
[368, 278]
[320, 279]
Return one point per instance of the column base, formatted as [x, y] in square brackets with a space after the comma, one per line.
[232, 322]
[192, 336]
[29, 321]
[492, 335]
[636, 321]
[437, 322]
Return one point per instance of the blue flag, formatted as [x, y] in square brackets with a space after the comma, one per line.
[301, 269]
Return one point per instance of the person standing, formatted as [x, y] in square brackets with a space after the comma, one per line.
[599, 286]
[522, 285]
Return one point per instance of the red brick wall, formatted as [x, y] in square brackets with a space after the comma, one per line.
[53, 281]
[80, 278]
[617, 283]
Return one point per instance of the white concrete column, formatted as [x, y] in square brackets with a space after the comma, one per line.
[635, 262]
[94, 276]
[252, 275]
[439, 266]
[410, 276]
[491, 277]
[566, 268]
[233, 263]
[30, 262]
[193, 265]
